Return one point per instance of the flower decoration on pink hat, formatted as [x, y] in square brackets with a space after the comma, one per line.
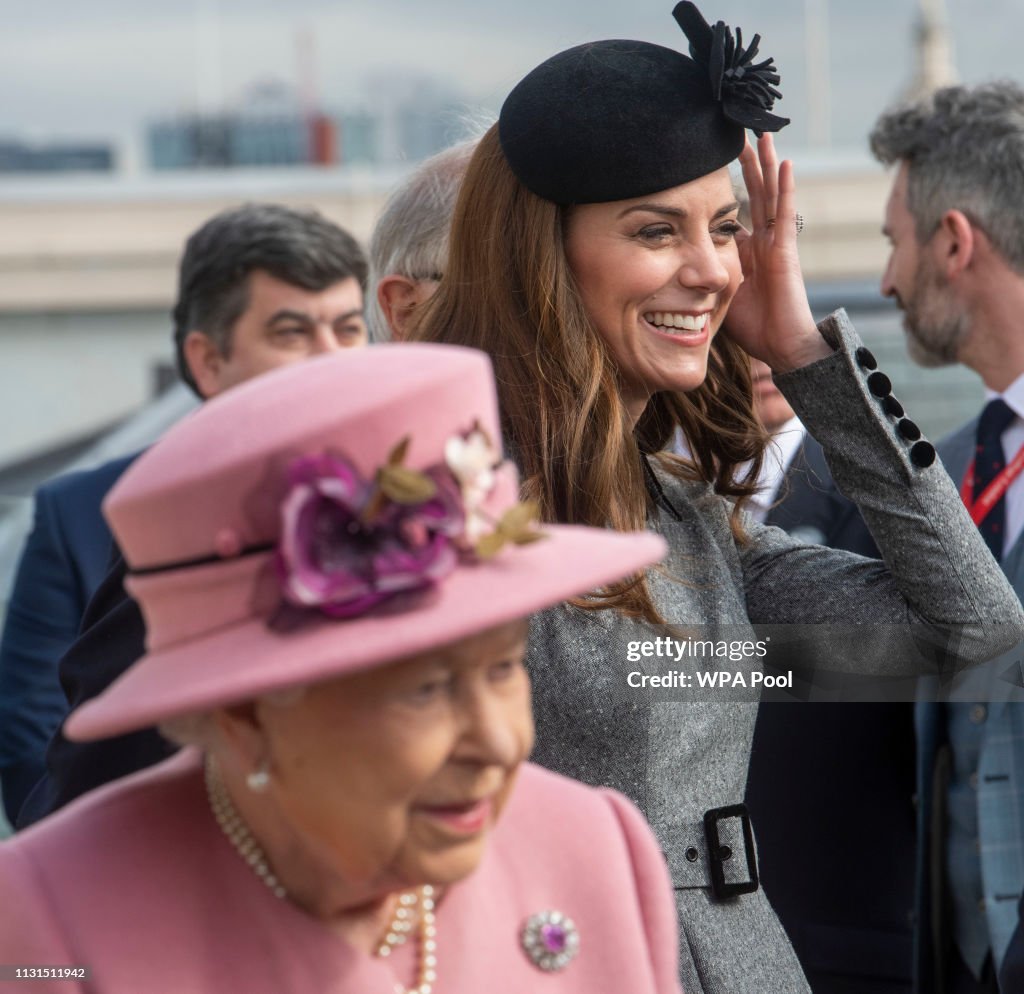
[349, 543]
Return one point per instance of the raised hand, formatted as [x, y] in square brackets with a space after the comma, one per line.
[770, 317]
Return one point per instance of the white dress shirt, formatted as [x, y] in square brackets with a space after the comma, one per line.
[778, 456]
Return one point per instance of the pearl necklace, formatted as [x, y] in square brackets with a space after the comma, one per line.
[237, 832]
[243, 842]
[402, 925]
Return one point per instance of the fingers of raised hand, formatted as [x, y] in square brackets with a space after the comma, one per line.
[786, 215]
[753, 179]
[769, 162]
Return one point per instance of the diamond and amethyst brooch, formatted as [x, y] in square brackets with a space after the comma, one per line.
[550, 940]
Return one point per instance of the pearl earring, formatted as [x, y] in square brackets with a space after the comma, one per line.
[259, 780]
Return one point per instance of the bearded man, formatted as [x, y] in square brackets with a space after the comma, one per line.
[956, 268]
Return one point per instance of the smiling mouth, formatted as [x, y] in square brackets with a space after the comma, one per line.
[677, 323]
[463, 819]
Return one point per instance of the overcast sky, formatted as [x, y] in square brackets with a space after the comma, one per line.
[100, 68]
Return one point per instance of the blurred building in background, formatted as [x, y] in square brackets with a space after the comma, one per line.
[55, 157]
[273, 127]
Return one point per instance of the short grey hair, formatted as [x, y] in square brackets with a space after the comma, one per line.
[411, 235]
[200, 729]
[964, 149]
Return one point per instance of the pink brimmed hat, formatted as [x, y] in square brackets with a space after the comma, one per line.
[325, 518]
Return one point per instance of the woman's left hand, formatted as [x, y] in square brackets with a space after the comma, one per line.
[770, 317]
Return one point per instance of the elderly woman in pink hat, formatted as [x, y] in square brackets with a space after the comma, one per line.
[335, 574]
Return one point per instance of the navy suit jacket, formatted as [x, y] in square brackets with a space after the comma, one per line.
[830, 793]
[1000, 790]
[1011, 974]
[65, 558]
[112, 638]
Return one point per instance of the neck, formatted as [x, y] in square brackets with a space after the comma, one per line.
[994, 348]
[360, 914]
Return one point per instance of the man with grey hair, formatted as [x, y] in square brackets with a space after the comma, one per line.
[956, 268]
[409, 246]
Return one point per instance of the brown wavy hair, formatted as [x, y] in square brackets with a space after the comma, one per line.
[508, 291]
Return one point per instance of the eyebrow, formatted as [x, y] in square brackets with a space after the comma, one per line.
[676, 211]
[303, 318]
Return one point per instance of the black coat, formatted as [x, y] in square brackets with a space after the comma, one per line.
[830, 793]
[112, 638]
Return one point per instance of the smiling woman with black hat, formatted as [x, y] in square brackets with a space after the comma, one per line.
[597, 256]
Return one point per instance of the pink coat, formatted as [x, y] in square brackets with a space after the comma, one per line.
[136, 882]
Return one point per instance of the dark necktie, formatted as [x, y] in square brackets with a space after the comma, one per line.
[989, 462]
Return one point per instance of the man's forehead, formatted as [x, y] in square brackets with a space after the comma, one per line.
[896, 210]
[270, 292]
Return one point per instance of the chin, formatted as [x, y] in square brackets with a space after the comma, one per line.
[444, 869]
[686, 380]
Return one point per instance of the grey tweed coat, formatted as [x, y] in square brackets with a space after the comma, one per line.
[676, 759]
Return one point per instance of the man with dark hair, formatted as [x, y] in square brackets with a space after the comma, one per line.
[409, 253]
[260, 286]
[956, 269]
[256, 255]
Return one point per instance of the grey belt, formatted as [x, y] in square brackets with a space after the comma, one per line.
[716, 852]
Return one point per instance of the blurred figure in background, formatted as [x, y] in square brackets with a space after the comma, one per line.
[797, 492]
[409, 249]
[838, 777]
[260, 286]
[409, 245]
[956, 269]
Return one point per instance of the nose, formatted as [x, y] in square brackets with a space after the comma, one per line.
[497, 730]
[324, 339]
[703, 267]
[887, 287]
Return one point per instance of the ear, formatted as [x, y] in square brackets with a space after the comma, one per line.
[204, 361]
[955, 241]
[242, 736]
[398, 297]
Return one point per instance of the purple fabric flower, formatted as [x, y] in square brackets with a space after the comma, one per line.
[343, 549]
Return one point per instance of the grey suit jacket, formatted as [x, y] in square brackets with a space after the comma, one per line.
[678, 759]
[1000, 791]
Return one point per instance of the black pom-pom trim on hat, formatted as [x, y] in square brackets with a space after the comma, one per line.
[747, 90]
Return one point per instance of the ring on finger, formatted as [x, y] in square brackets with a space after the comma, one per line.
[770, 223]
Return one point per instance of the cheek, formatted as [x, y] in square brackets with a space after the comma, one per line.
[731, 261]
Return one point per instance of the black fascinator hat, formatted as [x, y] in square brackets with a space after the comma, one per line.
[613, 120]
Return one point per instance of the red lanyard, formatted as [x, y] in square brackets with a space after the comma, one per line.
[993, 493]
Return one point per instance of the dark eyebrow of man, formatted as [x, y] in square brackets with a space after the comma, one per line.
[675, 211]
[348, 315]
[302, 318]
[287, 315]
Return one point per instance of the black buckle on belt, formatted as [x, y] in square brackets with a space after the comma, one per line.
[719, 853]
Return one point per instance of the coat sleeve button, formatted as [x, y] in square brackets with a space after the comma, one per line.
[879, 384]
[922, 454]
[908, 429]
[691, 855]
[865, 358]
[892, 406]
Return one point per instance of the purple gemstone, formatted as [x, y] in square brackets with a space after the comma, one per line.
[554, 938]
